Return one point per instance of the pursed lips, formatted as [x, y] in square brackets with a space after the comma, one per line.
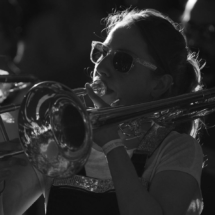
[108, 89]
[110, 95]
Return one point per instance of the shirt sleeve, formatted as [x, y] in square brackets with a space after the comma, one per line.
[179, 152]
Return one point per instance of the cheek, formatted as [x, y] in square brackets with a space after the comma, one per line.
[135, 94]
[136, 91]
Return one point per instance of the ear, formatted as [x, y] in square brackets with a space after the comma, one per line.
[162, 85]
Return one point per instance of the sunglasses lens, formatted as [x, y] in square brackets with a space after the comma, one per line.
[122, 62]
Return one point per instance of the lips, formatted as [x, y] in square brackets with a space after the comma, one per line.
[108, 90]
[110, 97]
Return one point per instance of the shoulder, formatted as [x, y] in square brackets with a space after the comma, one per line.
[178, 152]
[180, 144]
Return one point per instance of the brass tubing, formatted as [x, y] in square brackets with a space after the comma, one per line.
[186, 101]
[9, 108]
[9, 154]
[184, 107]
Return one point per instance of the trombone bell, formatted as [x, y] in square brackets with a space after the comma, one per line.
[54, 127]
[54, 130]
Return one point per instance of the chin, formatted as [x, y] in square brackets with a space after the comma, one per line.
[109, 98]
[108, 101]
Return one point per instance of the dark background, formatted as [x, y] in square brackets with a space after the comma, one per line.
[51, 39]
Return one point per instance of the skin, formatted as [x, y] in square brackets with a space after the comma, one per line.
[123, 84]
[138, 86]
[171, 191]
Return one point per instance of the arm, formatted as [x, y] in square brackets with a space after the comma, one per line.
[166, 185]
[22, 189]
[132, 196]
[170, 192]
[174, 191]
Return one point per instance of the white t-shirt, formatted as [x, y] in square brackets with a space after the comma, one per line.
[178, 152]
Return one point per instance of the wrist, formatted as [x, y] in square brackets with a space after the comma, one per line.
[109, 146]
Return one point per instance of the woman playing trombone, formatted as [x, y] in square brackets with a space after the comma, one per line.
[143, 58]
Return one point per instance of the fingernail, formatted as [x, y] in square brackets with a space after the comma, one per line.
[115, 103]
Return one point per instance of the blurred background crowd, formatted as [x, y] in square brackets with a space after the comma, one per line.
[51, 39]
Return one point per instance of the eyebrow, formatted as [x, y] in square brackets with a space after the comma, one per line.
[120, 49]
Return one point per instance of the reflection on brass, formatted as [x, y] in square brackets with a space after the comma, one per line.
[55, 127]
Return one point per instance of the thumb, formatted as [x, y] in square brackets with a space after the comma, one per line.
[98, 102]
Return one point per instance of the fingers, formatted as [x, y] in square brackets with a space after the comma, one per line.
[98, 102]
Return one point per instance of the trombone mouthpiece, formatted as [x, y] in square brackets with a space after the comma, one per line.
[99, 87]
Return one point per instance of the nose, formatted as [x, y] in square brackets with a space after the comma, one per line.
[103, 67]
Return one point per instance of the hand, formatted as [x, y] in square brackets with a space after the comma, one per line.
[7, 163]
[97, 101]
[106, 133]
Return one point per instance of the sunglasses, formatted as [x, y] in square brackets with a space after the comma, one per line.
[122, 61]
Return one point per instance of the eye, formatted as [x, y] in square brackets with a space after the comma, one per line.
[122, 61]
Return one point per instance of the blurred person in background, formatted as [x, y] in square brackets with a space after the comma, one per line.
[199, 21]
[47, 38]
[38, 38]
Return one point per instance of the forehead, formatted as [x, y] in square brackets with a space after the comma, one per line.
[127, 38]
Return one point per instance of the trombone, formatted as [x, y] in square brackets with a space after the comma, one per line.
[55, 127]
